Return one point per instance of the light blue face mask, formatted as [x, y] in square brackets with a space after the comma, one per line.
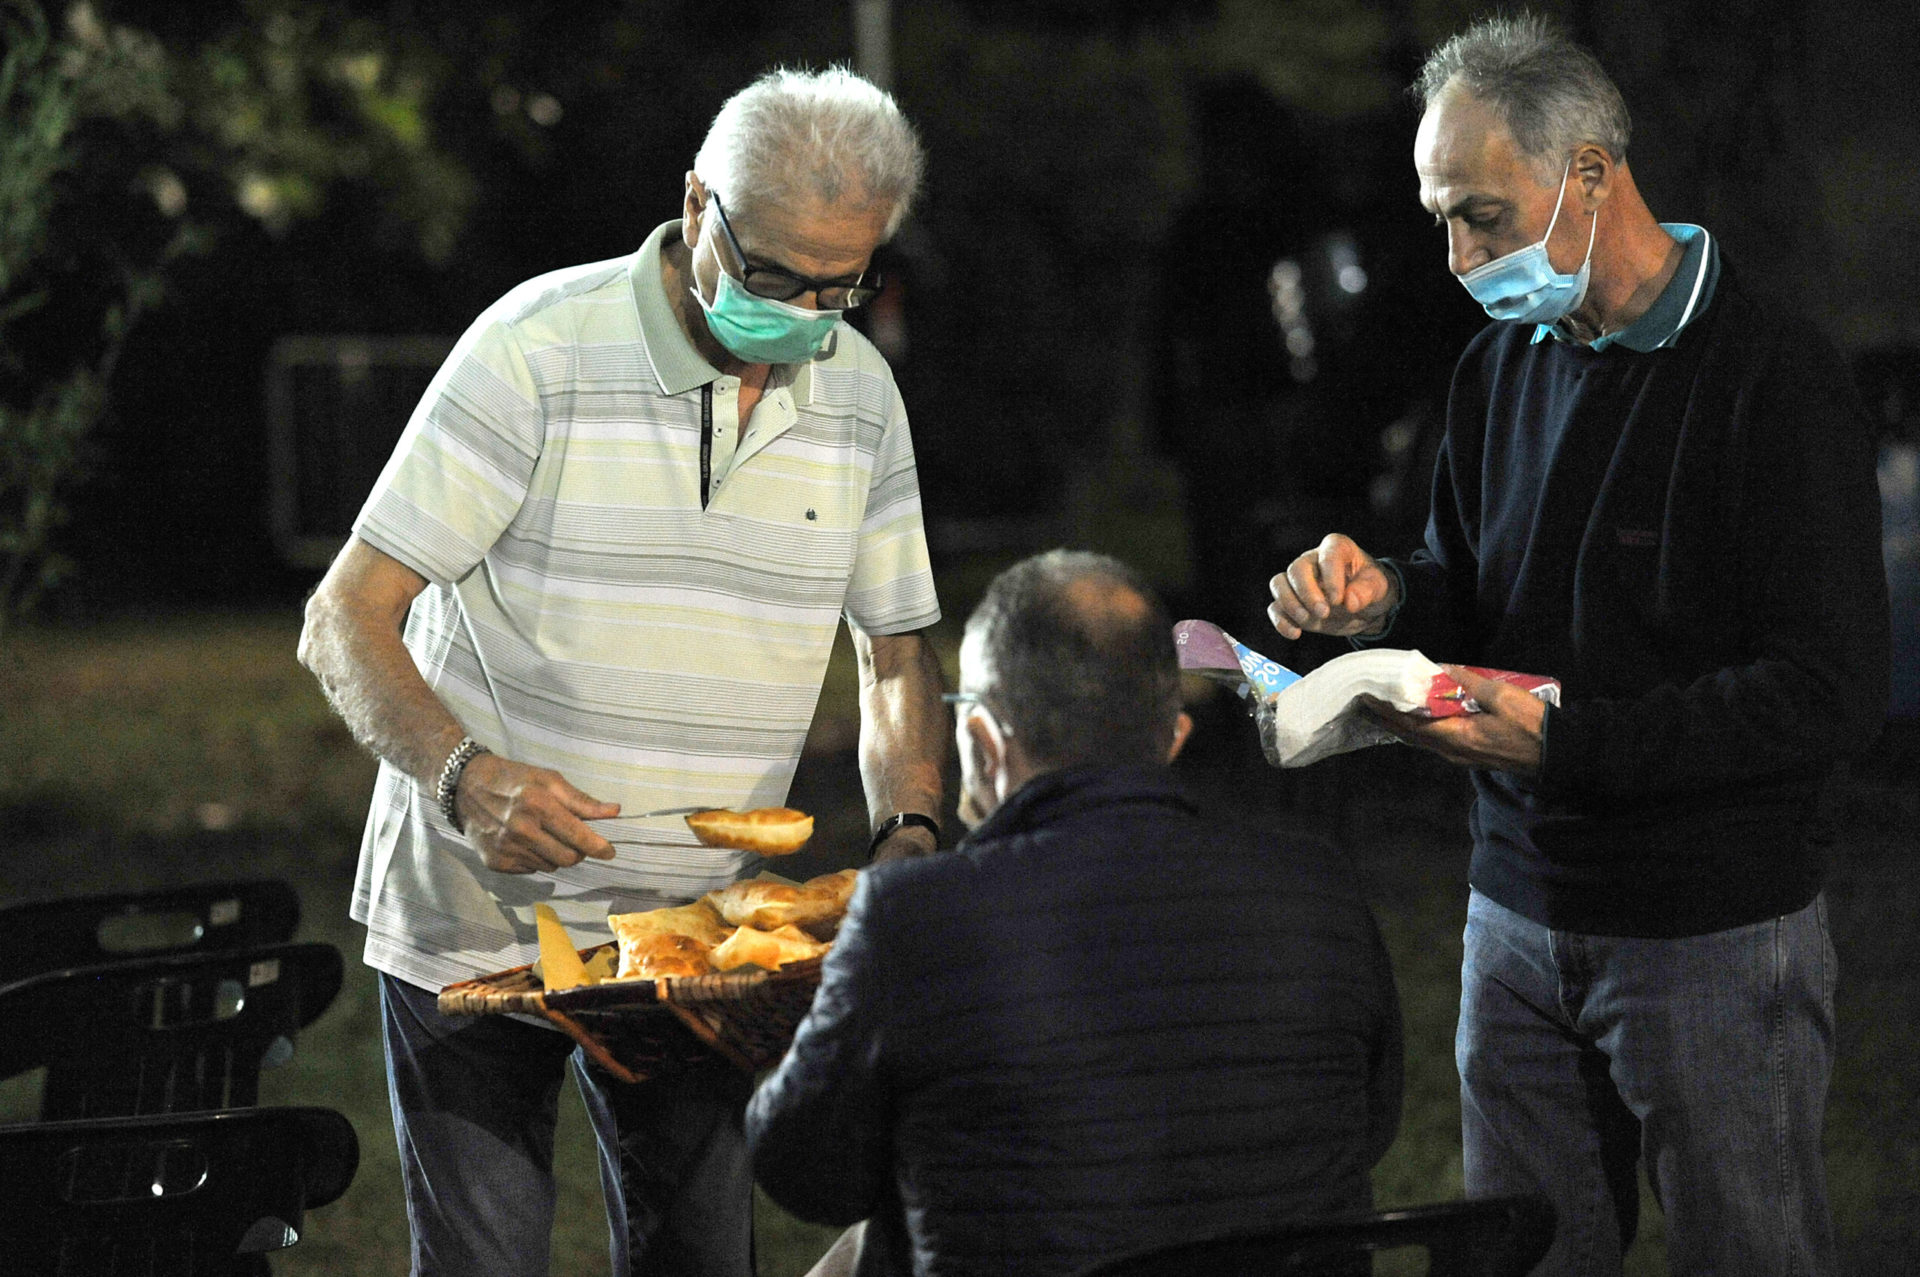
[1523, 287]
[761, 330]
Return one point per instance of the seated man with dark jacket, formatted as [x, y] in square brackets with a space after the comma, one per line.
[1105, 1022]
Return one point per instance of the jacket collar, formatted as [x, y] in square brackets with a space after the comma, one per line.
[1062, 795]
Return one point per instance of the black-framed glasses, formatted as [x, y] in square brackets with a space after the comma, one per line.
[776, 283]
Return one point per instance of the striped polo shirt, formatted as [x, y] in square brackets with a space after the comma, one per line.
[591, 610]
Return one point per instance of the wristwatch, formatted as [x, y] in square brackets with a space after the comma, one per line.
[897, 821]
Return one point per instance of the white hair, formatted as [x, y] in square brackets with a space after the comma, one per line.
[831, 132]
[1553, 95]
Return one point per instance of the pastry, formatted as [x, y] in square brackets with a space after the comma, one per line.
[769, 949]
[771, 831]
[767, 904]
[667, 941]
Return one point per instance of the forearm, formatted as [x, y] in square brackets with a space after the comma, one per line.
[353, 647]
[1425, 613]
[903, 729]
[1437, 582]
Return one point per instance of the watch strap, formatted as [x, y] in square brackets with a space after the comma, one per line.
[900, 820]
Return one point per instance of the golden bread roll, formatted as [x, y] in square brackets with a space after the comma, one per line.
[768, 949]
[760, 903]
[771, 831]
[667, 941]
[663, 953]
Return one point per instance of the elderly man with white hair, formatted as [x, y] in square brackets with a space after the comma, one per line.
[599, 577]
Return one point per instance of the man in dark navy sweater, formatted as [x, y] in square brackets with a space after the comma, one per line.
[1662, 493]
[1104, 1023]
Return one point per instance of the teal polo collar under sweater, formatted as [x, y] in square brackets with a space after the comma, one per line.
[1681, 302]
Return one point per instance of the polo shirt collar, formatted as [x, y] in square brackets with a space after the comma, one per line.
[678, 365]
[797, 379]
[1681, 302]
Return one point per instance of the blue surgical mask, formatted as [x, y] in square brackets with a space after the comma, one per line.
[761, 330]
[1523, 287]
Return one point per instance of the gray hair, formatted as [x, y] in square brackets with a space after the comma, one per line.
[1077, 660]
[1553, 95]
[830, 132]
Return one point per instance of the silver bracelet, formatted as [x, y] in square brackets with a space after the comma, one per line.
[444, 793]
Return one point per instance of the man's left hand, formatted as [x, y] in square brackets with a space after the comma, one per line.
[1503, 736]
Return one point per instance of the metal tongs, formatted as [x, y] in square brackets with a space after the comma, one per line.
[664, 811]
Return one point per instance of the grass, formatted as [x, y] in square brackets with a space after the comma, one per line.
[183, 723]
[148, 753]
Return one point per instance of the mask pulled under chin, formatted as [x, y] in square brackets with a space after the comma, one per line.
[1523, 287]
[760, 330]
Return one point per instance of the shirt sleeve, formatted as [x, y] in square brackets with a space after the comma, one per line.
[1435, 612]
[462, 467]
[891, 591]
[817, 1127]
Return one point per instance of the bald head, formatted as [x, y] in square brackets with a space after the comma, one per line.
[1107, 605]
[1074, 654]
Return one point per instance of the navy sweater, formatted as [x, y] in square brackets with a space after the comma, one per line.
[1689, 539]
[1100, 1025]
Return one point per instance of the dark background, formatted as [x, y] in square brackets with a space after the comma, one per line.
[1092, 341]
[1094, 356]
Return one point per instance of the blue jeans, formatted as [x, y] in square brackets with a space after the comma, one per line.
[475, 1099]
[1706, 1058]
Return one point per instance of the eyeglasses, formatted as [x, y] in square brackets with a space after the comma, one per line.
[974, 698]
[778, 284]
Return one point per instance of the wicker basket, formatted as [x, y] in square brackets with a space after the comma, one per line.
[636, 1029]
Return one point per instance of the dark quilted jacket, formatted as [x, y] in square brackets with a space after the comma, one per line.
[1102, 1023]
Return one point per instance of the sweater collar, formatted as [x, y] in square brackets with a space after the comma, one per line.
[1069, 792]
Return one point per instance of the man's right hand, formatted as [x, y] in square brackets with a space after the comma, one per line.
[528, 819]
[523, 819]
[1335, 588]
